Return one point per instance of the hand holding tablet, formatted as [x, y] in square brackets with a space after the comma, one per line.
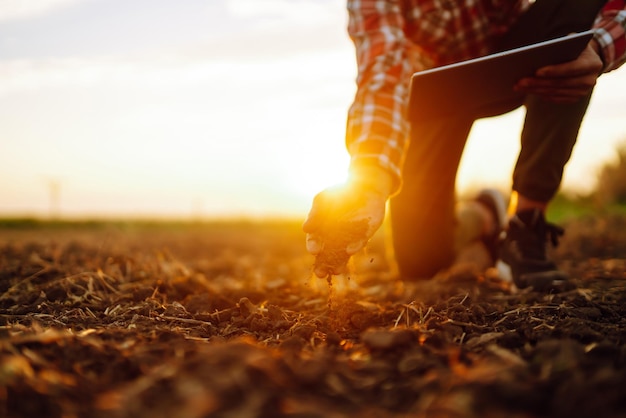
[487, 81]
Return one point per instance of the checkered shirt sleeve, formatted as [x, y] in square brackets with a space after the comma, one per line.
[610, 34]
[377, 130]
[390, 38]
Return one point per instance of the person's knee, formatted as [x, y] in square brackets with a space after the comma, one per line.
[425, 262]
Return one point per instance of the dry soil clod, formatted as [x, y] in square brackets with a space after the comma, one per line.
[333, 258]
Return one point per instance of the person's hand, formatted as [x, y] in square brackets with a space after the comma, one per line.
[343, 219]
[567, 82]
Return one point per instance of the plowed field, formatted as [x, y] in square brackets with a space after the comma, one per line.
[225, 320]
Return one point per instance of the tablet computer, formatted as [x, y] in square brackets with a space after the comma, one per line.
[485, 82]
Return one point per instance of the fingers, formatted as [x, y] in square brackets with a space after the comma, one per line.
[316, 215]
[322, 272]
[355, 246]
[325, 271]
[587, 63]
[567, 82]
[314, 244]
[558, 90]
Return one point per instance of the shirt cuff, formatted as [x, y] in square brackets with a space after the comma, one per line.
[611, 38]
[362, 167]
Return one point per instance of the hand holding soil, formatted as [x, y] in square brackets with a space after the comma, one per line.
[338, 237]
[341, 221]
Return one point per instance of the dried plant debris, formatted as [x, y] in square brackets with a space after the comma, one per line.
[198, 321]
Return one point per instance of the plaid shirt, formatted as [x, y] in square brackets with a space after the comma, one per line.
[395, 39]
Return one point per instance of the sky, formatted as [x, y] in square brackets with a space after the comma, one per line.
[206, 108]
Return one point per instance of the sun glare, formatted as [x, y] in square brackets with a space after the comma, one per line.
[318, 170]
[227, 117]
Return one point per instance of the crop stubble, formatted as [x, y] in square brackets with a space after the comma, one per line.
[222, 321]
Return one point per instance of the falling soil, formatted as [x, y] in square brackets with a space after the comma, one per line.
[226, 320]
[333, 259]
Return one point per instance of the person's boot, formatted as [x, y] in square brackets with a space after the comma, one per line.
[523, 252]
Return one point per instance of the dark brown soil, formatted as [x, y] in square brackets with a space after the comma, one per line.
[333, 259]
[226, 320]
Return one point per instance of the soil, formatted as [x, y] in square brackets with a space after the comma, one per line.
[226, 320]
[333, 259]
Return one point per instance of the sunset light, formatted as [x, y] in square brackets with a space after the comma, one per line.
[226, 108]
[183, 233]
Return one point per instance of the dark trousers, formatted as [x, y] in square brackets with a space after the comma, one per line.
[423, 213]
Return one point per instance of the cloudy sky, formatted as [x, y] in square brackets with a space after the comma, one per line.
[204, 108]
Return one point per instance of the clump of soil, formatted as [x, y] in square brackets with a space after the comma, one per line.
[333, 259]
